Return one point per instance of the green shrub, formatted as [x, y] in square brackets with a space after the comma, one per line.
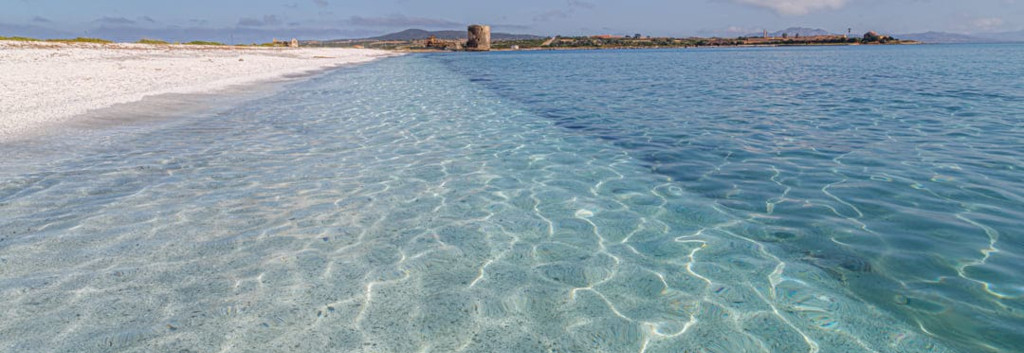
[199, 42]
[76, 40]
[151, 41]
[81, 40]
[20, 39]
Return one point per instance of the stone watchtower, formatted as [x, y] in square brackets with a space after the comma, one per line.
[479, 38]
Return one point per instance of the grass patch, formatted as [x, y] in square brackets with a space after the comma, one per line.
[104, 41]
[76, 40]
[151, 41]
[81, 40]
[523, 44]
[20, 39]
[199, 42]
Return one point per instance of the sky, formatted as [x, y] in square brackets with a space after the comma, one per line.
[245, 21]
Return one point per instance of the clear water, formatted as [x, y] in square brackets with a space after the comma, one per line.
[762, 200]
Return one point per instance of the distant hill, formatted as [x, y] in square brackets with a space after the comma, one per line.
[419, 34]
[944, 38]
[1004, 37]
[793, 31]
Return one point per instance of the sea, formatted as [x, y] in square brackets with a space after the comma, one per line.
[796, 199]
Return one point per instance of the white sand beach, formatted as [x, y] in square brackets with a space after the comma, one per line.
[44, 84]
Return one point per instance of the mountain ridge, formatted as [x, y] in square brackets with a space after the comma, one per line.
[933, 37]
[793, 31]
[1014, 37]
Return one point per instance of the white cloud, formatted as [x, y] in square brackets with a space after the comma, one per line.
[987, 24]
[796, 7]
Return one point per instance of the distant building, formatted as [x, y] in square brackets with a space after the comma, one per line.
[607, 36]
[479, 38]
[434, 43]
[294, 43]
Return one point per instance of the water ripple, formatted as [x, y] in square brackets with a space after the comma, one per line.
[399, 207]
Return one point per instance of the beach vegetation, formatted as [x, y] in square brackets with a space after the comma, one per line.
[81, 40]
[151, 41]
[20, 39]
[525, 43]
[75, 40]
[200, 42]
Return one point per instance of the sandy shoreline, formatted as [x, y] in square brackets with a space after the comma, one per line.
[47, 84]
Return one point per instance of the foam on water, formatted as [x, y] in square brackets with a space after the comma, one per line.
[406, 205]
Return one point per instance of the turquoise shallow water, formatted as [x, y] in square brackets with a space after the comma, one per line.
[761, 200]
